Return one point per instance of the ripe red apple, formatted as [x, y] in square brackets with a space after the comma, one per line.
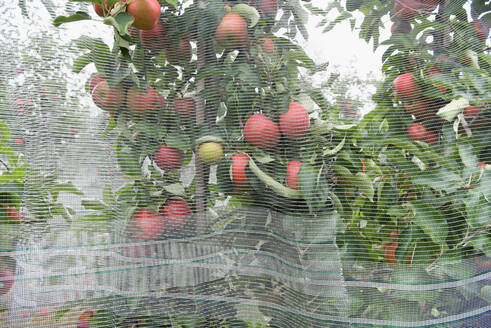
[179, 53]
[239, 163]
[145, 12]
[267, 45]
[100, 10]
[94, 80]
[168, 158]
[13, 214]
[176, 211]
[6, 285]
[154, 39]
[295, 123]
[261, 131]
[430, 138]
[84, 319]
[141, 103]
[401, 26]
[418, 108]
[267, 7]
[147, 224]
[232, 31]
[481, 27]
[417, 131]
[106, 98]
[405, 87]
[471, 111]
[406, 9]
[184, 106]
[292, 174]
[428, 6]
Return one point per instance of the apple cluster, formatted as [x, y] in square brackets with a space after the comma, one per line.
[405, 10]
[259, 130]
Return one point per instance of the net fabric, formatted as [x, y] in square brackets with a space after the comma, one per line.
[266, 260]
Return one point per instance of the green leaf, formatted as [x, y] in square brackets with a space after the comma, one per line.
[122, 21]
[404, 240]
[484, 185]
[176, 189]
[178, 140]
[451, 110]
[364, 184]
[78, 16]
[431, 221]
[81, 62]
[467, 155]
[95, 205]
[439, 179]
[307, 178]
[330, 152]
[247, 12]
[352, 5]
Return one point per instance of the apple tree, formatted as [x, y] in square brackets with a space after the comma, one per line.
[216, 136]
[425, 148]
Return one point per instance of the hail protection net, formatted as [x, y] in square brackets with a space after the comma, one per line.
[246, 163]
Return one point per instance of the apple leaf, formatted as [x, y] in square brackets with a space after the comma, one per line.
[248, 12]
[122, 21]
[78, 16]
[81, 62]
[178, 140]
[431, 221]
[365, 186]
[176, 189]
[451, 110]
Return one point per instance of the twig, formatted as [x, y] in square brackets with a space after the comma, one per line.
[4, 164]
[462, 243]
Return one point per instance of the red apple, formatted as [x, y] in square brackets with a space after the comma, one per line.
[147, 224]
[13, 214]
[94, 80]
[168, 158]
[261, 131]
[185, 106]
[292, 174]
[427, 6]
[106, 98]
[176, 211]
[100, 10]
[267, 45]
[84, 319]
[471, 111]
[267, 7]
[405, 87]
[232, 31]
[145, 12]
[179, 53]
[417, 131]
[295, 123]
[154, 39]
[481, 27]
[401, 26]
[141, 103]
[239, 163]
[6, 285]
[430, 138]
[406, 9]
